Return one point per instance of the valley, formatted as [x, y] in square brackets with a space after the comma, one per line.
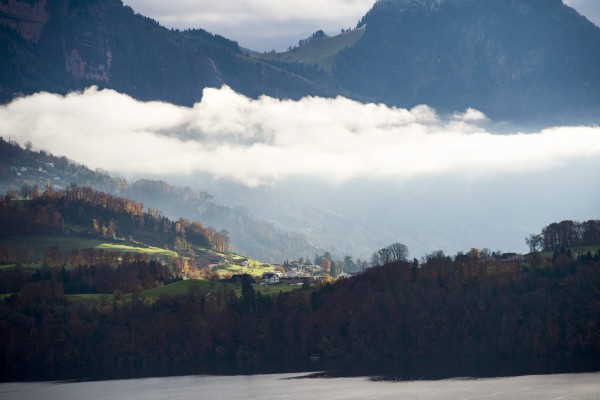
[415, 190]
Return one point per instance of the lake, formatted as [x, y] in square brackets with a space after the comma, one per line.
[302, 386]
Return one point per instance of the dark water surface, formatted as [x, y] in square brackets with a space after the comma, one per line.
[414, 369]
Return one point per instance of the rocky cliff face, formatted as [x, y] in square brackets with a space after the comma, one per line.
[26, 17]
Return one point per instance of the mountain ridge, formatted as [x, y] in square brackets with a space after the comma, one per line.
[524, 58]
[105, 43]
[526, 61]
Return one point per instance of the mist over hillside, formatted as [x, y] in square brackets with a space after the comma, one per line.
[449, 213]
[22, 169]
[352, 177]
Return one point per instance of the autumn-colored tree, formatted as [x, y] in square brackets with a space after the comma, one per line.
[325, 264]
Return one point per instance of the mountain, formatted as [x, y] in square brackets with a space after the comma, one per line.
[248, 234]
[516, 60]
[65, 45]
[513, 59]
[528, 61]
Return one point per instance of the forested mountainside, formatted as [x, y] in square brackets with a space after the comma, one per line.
[517, 60]
[513, 59]
[65, 45]
[81, 211]
[248, 235]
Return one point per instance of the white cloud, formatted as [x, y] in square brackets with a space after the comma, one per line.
[470, 115]
[230, 136]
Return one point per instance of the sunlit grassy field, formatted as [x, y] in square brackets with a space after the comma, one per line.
[319, 51]
[39, 243]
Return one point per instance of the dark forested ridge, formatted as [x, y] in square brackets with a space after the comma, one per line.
[249, 235]
[462, 306]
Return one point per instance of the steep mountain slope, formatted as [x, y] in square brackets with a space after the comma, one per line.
[513, 59]
[65, 45]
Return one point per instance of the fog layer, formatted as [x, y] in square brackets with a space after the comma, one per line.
[397, 174]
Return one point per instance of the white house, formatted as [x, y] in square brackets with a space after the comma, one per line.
[270, 278]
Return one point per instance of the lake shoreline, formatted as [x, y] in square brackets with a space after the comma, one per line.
[582, 386]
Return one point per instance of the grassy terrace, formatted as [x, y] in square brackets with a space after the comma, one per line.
[179, 288]
[183, 288]
[254, 269]
[575, 251]
[39, 244]
[319, 51]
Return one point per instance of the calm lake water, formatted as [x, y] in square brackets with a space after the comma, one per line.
[289, 387]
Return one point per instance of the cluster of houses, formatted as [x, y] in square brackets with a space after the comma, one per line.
[41, 173]
[297, 273]
[291, 274]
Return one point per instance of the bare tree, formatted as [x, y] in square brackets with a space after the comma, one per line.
[399, 252]
[390, 254]
[534, 242]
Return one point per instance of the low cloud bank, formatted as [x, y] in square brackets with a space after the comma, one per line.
[267, 140]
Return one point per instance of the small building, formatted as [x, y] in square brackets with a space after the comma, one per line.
[270, 278]
[512, 259]
[212, 261]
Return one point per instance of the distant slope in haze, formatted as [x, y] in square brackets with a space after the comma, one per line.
[249, 235]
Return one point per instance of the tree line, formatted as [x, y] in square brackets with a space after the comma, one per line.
[53, 212]
[132, 274]
[565, 234]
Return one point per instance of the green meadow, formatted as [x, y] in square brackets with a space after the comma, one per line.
[39, 243]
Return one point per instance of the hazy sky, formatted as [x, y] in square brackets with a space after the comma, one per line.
[276, 24]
